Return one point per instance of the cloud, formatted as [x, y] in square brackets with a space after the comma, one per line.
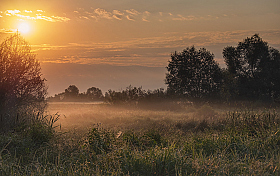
[150, 51]
[182, 18]
[98, 14]
[133, 15]
[146, 14]
[60, 19]
[132, 12]
[118, 14]
[6, 31]
[12, 12]
[30, 15]
[129, 18]
[103, 13]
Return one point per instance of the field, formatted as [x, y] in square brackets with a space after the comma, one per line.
[162, 139]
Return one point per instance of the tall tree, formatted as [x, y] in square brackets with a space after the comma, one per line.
[254, 66]
[194, 74]
[21, 82]
[20, 74]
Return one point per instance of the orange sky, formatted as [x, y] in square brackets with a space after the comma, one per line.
[136, 32]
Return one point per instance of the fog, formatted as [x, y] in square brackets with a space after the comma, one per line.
[82, 116]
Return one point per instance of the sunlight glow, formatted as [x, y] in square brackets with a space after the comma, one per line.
[24, 27]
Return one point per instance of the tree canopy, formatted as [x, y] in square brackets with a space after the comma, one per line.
[22, 88]
[72, 92]
[21, 82]
[254, 67]
[194, 74]
[94, 93]
[252, 73]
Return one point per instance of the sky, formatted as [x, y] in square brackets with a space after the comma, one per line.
[118, 36]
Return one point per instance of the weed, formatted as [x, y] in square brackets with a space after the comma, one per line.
[101, 140]
[236, 143]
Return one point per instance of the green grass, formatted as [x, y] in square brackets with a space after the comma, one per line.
[200, 141]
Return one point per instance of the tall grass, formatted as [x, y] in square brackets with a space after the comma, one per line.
[234, 143]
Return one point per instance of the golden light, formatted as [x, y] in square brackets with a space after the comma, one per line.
[24, 27]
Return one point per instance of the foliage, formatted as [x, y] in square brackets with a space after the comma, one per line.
[40, 128]
[228, 146]
[100, 140]
[129, 95]
[94, 93]
[72, 94]
[253, 70]
[148, 139]
[21, 86]
[194, 74]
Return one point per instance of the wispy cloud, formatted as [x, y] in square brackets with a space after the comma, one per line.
[146, 15]
[151, 51]
[28, 11]
[133, 15]
[6, 31]
[103, 13]
[37, 15]
[129, 18]
[132, 12]
[182, 18]
[118, 14]
[98, 14]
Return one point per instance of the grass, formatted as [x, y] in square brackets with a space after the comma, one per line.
[105, 140]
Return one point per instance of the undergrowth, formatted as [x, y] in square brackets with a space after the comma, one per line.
[235, 143]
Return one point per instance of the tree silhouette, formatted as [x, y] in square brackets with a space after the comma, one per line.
[72, 92]
[94, 93]
[194, 74]
[254, 67]
[21, 84]
[130, 95]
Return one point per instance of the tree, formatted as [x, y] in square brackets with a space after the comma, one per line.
[94, 93]
[194, 74]
[21, 82]
[254, 67]
[72, 92]
[131, 95]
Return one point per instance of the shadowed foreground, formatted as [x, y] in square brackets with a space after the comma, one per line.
[112, 140]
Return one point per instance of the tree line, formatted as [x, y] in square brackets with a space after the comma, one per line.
[252, 73]
[129, 95]
[72, 93]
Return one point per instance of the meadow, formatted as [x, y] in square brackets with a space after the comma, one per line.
[158, 139]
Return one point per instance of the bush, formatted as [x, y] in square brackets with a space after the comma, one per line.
[40, 128]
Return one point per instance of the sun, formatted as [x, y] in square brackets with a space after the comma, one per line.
[23, 27]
